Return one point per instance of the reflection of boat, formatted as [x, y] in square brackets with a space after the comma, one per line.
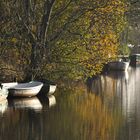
[51, 100]
[47, 101]
[118, 75]
[3, 94]
[23, 89]
[30, 103]
[118, 65]
[108, 82]
[3, 105]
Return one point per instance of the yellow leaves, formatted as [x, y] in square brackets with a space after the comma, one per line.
[82, 35]
[90, 40]
[88, 36]
[14, 40]
[114, 7]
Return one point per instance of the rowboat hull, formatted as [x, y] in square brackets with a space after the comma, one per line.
[24, 89]
[24, 92]
[118, 65]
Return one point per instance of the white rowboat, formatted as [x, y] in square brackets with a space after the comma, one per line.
[23, 89]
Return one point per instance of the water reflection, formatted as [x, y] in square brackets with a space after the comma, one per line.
[121, 90]
[25, 103]
[82, 116]
[3, 106]
[108, 111]
[25, 118]
[51, 100]
[47, 101]
[108, 83]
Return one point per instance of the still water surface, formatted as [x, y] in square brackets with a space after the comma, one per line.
[108, 108]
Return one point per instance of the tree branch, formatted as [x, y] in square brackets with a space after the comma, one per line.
[61, 10]
[30, 33]
[42, 36]
[71, 19]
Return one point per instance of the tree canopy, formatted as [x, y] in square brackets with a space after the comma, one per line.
[60, 39]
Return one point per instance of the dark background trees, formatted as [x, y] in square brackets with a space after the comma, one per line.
[133, 27]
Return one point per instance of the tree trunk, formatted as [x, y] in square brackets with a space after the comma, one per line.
[39, 49]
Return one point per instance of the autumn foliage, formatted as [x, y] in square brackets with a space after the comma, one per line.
[60, 39]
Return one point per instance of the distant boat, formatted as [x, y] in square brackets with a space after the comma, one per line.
[134, 59]
[119, 65]
[3, 94]
[23, 89]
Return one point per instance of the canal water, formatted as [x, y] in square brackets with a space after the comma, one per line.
[107, 108]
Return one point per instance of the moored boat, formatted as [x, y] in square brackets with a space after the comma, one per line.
[9, 85]
[134, 59]
[23, 89]
[119, 65]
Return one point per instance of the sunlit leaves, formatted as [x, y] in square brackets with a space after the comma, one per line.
[81, 35]
[89, 37]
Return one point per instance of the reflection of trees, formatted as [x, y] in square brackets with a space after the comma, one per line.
[131, 105]
[104, 84]
[20, 125]
[83, 117]
[110, 86]
[21, 120]
[101, 123]
[77, 116]
[121, 90]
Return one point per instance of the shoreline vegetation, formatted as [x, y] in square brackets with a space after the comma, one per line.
[59, 40]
